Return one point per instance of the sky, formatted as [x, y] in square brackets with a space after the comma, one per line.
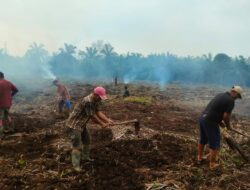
[182, 27]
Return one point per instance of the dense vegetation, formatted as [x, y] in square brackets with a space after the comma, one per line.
[101, 62]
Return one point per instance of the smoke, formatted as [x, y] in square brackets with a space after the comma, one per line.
[129, 78]
[37, 68]
[29, 73]
[46, 72]
[162, 75]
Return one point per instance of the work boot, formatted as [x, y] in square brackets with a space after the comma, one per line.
[213, 158]
[7, 129]
[200, 159]
[86, 153]
[8, 125]
[1, 132]
[76, 159]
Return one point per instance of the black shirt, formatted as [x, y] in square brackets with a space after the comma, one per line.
[126, 94]
[217, 106]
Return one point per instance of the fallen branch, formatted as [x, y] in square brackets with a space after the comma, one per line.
[232, 144]
[236, 131]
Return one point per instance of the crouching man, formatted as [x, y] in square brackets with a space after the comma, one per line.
[85, 110]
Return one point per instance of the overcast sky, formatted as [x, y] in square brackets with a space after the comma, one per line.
[183, 27]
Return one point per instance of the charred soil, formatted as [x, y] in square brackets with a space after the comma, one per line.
[163, 156]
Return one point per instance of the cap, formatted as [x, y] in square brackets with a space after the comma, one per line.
[237, 89]
[101, 92]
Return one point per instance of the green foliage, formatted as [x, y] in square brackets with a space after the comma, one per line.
[237, 161]
[100, 62]
[21, 162]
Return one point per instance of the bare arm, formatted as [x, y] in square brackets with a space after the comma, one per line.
[14, 90]
[103, 117]
[97, 120]
[66, 92]
[226, 119]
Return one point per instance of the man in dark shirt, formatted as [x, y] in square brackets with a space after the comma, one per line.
[85, 110]
[7, 90]
[218, 110]
[126, 92]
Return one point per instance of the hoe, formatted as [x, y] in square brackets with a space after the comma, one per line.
[136, 124]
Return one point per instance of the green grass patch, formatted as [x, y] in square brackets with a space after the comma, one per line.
[142, 100]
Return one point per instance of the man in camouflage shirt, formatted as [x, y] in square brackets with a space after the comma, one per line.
[85, 110]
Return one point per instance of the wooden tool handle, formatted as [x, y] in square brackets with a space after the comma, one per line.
[125, 122]
[246, 135]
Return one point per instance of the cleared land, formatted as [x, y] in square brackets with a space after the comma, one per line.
[37, 154]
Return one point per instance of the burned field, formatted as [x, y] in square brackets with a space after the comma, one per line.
[37, 154]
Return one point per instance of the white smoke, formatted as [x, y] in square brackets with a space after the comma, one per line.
[46, 70]
[47, 73]
[128, 78]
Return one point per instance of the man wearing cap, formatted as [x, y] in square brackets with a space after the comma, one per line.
[63, 97]
[7, 90]
[217, 111]
[85, 110]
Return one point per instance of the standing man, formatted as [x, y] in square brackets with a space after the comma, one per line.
[63, 97]
[85, 110]
[7, 90]
[218, 110]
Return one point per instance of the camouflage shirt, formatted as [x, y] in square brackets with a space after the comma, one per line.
[82, 113]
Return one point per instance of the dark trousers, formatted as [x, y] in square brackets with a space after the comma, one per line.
[209, 133]
[78, 137]
[61, 104]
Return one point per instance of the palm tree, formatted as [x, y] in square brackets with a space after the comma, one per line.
[37, 52]
[36, 48]
[207, 57]
[89, 53]
[68, 49]
[108, 51]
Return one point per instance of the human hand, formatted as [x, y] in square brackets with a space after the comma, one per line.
[229, 127]
[110, 122]
[105, 125]
[222, 124]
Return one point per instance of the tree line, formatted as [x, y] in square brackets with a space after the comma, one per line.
[100, 62]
